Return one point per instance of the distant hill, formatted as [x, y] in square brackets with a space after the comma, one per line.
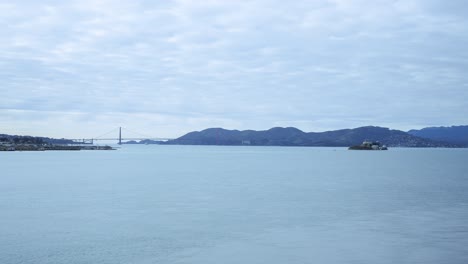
[453, 134]
[144, 141]
[291, 136]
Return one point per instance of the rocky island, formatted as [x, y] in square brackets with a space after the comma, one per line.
[369, 145]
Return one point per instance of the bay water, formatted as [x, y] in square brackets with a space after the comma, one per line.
[215, 204]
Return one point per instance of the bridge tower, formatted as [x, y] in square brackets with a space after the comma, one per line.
[120, 135]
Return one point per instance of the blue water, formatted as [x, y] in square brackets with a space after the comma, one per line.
[194, 204]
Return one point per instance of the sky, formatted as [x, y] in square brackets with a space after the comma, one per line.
[164, 68]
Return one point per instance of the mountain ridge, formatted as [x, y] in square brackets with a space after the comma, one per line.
[291, 136]
[451, 134]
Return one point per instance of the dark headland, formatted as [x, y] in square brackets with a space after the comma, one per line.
[290, 136]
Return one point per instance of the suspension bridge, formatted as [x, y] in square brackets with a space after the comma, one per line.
[108, 137]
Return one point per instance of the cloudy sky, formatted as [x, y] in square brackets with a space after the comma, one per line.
[164, 68]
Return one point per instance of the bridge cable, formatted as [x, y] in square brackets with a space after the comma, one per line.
[107, 133]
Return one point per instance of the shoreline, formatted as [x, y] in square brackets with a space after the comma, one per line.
[34, 147]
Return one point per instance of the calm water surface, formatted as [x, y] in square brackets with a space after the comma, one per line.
[194, 204]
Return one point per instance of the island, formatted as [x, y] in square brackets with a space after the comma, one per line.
[369, 145]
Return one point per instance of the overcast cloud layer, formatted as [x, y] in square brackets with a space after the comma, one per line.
[164, 68]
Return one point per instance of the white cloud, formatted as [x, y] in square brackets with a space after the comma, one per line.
[241, 64]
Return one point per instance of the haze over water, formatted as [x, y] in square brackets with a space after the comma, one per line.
[196, 204]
